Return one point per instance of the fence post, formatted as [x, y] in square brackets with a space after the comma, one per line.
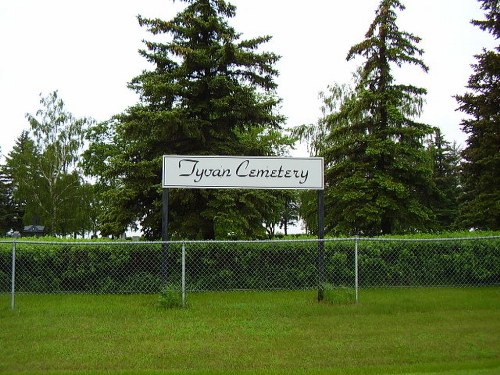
[13, 278]
[183, 275]
[356, 271]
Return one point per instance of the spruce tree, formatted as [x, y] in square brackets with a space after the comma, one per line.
[10, 212]
[480, 207]
[444, 201]
[378, 171]
[27, 184]
[209, 93]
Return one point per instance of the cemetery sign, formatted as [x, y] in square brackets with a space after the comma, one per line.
[242, 172]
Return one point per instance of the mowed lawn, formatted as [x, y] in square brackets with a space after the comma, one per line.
[394, 331]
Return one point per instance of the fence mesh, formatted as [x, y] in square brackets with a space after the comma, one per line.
[145, 267]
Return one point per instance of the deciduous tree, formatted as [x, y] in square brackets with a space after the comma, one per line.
[44, 169]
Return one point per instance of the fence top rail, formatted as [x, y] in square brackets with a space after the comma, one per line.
[311, 240]
[440, 239]
[179, 242]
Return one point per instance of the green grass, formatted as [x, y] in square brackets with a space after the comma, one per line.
[432, 331]
[337, 295]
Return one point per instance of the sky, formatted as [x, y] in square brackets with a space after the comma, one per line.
[88, 51]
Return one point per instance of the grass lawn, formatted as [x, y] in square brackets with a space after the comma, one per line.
[395, 331]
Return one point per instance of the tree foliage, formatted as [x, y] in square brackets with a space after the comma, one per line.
[43, 167]
[209, 93]
[446, 160]
[377, 171]
[10, 211]
[480, 207]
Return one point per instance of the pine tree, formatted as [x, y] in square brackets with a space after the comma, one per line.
[480, 207]
[378, 172]
[209, 93]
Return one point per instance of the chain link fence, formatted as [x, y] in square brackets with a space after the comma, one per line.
[145, 267]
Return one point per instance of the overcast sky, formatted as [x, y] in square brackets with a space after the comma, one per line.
[87, 50]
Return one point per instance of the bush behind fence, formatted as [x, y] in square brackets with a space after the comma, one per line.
[145, 267]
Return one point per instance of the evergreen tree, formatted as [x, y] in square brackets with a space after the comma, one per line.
[20, 165]
[481, 167]
[378, 173]
[446, 157]
[10, 212]
[209, 93]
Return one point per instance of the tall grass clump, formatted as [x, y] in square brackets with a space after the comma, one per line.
[170, 297]
[337, 295]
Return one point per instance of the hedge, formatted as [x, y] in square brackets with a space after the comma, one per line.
[121, 267]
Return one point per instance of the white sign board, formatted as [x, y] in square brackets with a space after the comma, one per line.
[242, 172]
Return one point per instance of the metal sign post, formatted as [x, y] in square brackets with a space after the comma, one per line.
[164, 235]
[321, 244]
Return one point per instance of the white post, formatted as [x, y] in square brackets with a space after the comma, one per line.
[356, 275]
[13, 278]
[183, 276]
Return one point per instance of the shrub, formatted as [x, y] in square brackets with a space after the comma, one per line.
[109, 267]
